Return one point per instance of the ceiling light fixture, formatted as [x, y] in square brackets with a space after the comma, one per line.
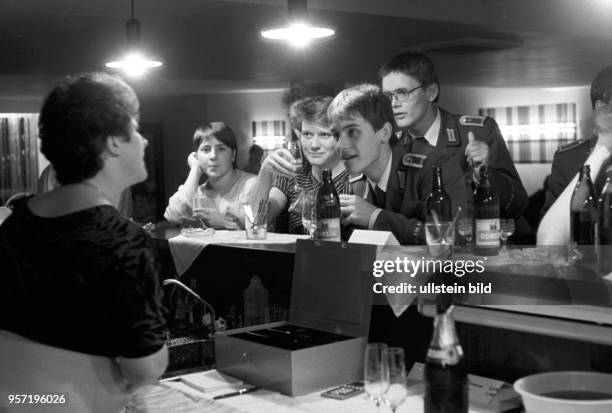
[134, 63]
[298, 32]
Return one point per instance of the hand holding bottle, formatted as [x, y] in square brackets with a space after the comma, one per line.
[476, 152]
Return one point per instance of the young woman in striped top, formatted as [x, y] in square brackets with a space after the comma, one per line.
[279, 176]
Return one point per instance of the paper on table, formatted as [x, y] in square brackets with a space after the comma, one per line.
[208, 381]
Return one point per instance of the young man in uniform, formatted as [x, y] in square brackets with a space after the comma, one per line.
[410, 80]
[395, 179]
[569, 158]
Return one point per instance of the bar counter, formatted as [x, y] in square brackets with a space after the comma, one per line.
[496, 350]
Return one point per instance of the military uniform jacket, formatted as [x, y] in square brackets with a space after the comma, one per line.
[409, 187]
[566, 164]
[453, 138]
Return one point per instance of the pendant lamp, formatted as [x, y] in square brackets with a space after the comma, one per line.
[299, 32]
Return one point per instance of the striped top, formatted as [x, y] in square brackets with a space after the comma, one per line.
[306, 181]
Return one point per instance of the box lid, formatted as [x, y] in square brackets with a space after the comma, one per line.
[332, 286]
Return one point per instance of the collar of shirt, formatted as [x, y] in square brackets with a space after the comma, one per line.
[434, 130]
[384, 179]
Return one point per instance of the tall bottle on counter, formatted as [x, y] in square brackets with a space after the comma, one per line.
[605, 225]
[486, 216]
[328, 210]
[446, 383]
[584, 210]
[255, 298]
[438, 199]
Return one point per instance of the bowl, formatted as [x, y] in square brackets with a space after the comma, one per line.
[566, 392]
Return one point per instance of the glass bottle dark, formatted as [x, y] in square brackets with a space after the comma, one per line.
[584, 210]
[605, 224]
[328, 210]
[486, 216]
[446, 383]
[438, 200]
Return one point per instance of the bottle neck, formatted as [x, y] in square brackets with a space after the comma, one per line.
[326, 176]
[445, 334]
[437, 180]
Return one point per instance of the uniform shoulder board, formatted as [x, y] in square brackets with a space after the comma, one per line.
[472, 120]
[413, 160]
[571, 145]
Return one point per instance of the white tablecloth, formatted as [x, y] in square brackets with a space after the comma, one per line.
[185, 250]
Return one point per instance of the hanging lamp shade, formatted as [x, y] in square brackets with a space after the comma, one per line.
[299, 32]
[134, 62]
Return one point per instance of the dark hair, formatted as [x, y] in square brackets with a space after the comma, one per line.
[76, 119]
[256, 151]
[601, 88]
[415, 65]
[312, 109]
[364, 100]
[219, 131]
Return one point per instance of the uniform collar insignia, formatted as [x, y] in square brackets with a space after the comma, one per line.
[414, 160]
[450, 134]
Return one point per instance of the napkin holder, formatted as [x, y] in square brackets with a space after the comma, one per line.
[323, 343]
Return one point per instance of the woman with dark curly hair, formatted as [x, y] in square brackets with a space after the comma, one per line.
[80, 304]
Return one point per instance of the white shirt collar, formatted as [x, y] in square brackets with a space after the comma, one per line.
[434, 130]
[384, 179]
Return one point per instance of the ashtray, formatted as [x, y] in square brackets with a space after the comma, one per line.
[197, 232]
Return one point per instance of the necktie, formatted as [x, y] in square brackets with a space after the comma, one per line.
[380, 197]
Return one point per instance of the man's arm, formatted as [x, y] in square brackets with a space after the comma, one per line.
[513, 198]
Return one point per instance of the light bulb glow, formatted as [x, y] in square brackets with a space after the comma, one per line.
[134, 64]
[298, 34]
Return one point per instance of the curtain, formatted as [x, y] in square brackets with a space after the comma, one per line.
[18, 153]
[533, 133]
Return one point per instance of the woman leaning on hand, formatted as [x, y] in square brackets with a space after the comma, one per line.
[80, 304]
[215, 154]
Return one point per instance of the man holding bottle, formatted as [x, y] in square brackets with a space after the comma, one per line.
[395, 180]
[472, 140]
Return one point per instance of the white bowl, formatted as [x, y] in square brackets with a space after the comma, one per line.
[536, 392]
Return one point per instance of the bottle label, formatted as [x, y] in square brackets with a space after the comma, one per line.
[450, 355]
[328, 229]
[487, 232]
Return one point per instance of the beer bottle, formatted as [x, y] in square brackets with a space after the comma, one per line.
[605, 224]
[328, 210]
[446, 384]
[486, 216]
[584, 210]
[438, 200]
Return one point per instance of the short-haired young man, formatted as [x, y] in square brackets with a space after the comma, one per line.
[411, 82]
[569, 158]
[399, 177]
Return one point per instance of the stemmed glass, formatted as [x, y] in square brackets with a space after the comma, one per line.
[507, 229]
[466, 228]
[396, 377]
[295, 148]
[376, 372]
[309, 212]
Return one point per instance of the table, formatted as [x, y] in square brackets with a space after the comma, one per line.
[176, 396]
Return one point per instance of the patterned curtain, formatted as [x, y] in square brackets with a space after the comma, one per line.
[18, 153]
[533, 133]
[269, 134]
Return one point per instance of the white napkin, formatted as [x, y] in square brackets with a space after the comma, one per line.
[185, 250]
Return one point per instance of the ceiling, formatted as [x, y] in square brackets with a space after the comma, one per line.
[216, 45]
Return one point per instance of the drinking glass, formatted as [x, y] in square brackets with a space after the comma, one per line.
[507, 229]
[396, 377]
[309, 212]
[376, 372]
[440, 238]
[199, 204]
[466, 228]
[295, 148]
